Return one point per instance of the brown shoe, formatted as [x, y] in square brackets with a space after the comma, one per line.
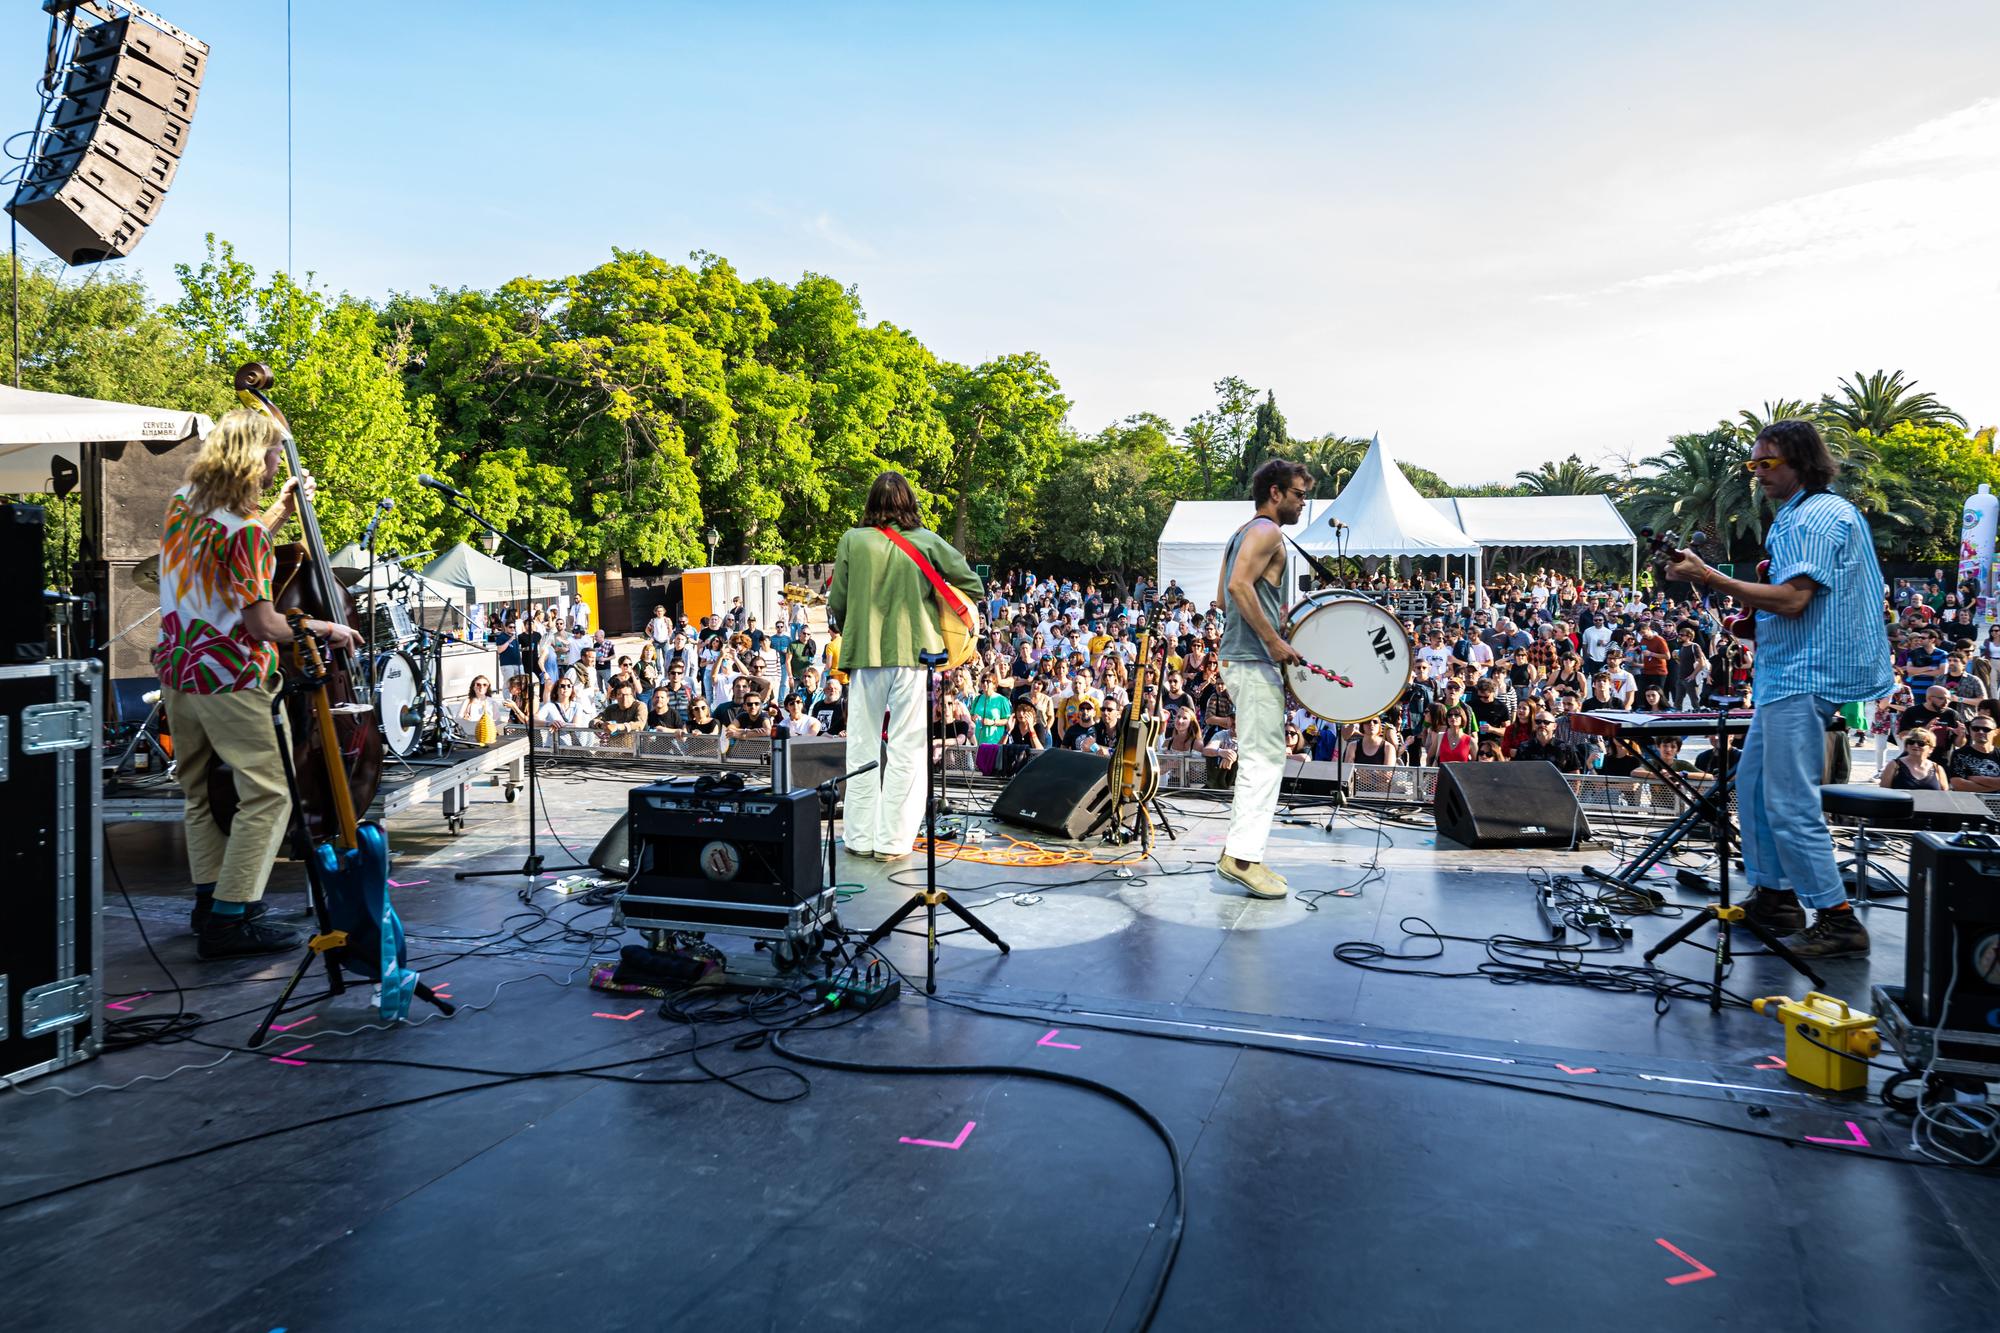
[1831, 935]
[1252, 875]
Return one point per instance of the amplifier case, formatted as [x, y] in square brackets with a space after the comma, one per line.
[1951, 971]
[744, 861]
[51, 949]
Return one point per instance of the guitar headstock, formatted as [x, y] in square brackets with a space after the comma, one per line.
[1661, 547]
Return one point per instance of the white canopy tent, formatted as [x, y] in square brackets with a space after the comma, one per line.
[1543, 520]
[37, 429]
[1379, 513]
[351, 562]
[1198, 531]
[484, 579]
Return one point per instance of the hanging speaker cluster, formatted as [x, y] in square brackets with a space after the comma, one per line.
[114, 138]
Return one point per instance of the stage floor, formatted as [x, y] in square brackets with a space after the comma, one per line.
[1361, 1148]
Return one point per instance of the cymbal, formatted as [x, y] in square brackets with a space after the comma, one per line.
[147, 573]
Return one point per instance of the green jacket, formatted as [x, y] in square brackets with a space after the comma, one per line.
[886, 607]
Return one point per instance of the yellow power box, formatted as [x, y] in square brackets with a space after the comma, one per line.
[1828, 1022]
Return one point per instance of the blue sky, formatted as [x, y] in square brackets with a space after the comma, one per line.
[1496, 233]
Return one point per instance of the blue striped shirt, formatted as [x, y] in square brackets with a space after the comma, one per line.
[1837, 647]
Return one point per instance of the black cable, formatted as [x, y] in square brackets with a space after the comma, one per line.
[1129, 1102]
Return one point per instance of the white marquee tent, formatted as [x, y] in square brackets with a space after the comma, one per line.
[1198, 531]
[1542, 520]
[36, 429]
[1382, 514]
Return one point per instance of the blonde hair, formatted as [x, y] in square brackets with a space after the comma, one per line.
[228, 473]
[1922, 735]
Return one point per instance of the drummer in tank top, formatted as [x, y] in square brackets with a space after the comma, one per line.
[1253, 568]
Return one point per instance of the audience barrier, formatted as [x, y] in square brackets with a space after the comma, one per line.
[1378, 784]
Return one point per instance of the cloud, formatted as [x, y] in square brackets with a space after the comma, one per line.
[1932, 192]
[1972, 131]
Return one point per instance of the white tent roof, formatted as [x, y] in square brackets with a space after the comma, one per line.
[485, 579]
[1384, 516]
[351, 564]
[1538, 520]
[37, 428]
[1196, 534]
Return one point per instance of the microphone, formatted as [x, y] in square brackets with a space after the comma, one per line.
[382, 506]
[426, 479]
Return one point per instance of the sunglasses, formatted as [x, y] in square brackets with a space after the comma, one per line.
[1755, 465]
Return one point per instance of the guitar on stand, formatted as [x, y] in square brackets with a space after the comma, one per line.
[1134, 780]
[347, 863]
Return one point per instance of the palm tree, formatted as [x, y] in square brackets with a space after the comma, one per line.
[1876, 403]
[1699, 484]
[1331, 459]
[1572, 476]
[1753, 420]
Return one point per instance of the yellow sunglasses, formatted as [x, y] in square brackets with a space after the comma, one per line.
[1756, 465]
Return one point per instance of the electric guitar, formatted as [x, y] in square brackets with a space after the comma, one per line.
[1135, 767]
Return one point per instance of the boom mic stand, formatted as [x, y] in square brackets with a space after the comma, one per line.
[931, 897]
[532, 866]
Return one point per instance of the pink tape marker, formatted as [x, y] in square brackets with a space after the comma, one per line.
[287, 1027]
[1855, 1139]
[954, 1145]
[1775, 1062]
[1701, 1270]
[1580, 1069]
[1057, 1045]
[410, 885]
[281, 1060]
[128, 1001]
[622, 1018]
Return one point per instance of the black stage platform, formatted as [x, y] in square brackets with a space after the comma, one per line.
[1362, 1149]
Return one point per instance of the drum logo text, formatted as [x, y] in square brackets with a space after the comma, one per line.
[1385, 650]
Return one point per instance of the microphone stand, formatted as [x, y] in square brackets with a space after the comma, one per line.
[931, 897]
[532, 866]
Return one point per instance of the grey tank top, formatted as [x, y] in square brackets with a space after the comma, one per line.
[1239, 642]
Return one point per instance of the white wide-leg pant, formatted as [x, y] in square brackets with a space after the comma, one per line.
[885, 807]
[1258, 692]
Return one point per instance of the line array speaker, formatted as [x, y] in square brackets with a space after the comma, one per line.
[24, 619]
[114, 142]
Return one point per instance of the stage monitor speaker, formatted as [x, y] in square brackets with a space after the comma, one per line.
[1951, 975]
[24, 617]
[1315, 777]
[100, 172]
[1517, 804]
[126, 615]
[612, 857]
[1064, 792]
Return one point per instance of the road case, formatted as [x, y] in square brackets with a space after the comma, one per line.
[51, 855]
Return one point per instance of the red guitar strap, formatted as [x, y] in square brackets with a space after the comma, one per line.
[953, 598]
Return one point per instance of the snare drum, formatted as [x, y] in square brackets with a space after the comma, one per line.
[1352, 637]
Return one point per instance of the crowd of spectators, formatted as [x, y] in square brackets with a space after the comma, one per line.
[1496, 677]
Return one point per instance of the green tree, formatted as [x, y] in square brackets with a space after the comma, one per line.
[1936, 466]
[1216, 437]
[1005, 419]
[1879, 402]
[1268, 438]
[1698, 484]
[1572, 476]
[1331, 459]
[102, 338]
[1751, 421]
[1111, 512]
[338, 379]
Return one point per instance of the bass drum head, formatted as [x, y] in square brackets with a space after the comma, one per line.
[396, 703]
[1355, 638]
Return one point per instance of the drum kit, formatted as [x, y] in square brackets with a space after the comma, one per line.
[405, 663]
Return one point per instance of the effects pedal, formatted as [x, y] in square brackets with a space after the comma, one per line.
[863, 991]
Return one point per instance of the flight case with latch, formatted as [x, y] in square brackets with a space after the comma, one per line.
[51, 890]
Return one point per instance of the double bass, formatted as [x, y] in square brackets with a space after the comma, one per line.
[305, 584]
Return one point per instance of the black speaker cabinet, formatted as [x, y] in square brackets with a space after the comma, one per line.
[1512, 804]
[1315, 777]
[801, 763]
[1951, 967]
[24, 618]
[1064, 792]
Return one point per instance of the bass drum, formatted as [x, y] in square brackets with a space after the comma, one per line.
[398, 700]
[1352, 637]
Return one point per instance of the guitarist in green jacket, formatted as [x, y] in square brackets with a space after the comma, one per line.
[888, 613]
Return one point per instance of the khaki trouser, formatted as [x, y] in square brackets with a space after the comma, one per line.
[234, 727]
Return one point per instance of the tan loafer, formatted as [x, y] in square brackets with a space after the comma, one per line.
[1252, 875]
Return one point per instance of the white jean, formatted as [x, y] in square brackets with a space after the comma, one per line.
[1258, 692]
[886, 806]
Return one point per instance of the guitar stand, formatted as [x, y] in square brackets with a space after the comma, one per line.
[1148, 813]
[931, 897]
[1722, 912]
[323, 945]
